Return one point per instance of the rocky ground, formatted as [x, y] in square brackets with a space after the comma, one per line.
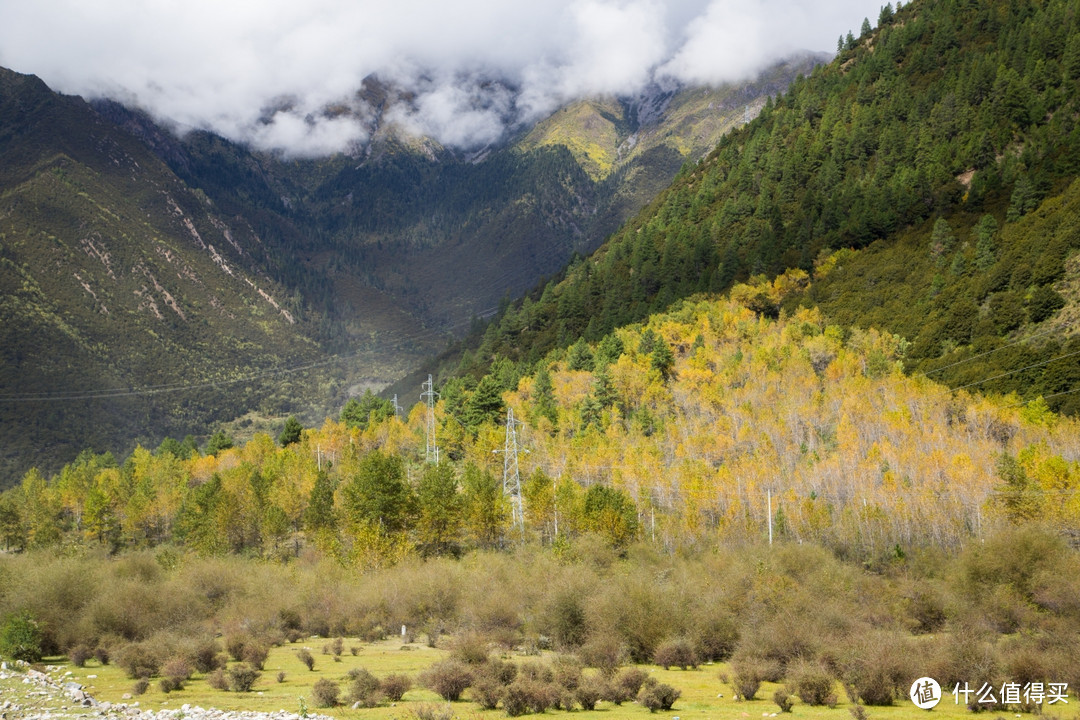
[47, 694]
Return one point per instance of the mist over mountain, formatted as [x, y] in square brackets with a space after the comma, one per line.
[472, 72]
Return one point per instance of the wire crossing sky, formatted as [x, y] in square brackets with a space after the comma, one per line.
[264, 71]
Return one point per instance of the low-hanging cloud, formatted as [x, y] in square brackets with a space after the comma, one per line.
[284, 75]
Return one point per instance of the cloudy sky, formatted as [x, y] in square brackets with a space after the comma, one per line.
[263, 70]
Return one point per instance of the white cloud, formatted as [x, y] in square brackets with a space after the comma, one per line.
[219, 65]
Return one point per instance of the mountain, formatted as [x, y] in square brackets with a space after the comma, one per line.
[114, 276]
[924, 182]
[156, 283]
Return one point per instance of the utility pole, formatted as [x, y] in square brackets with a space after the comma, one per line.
[770, 516]
[511, 475]
[431, 454]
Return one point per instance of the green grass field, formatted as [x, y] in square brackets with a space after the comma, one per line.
[704, 695]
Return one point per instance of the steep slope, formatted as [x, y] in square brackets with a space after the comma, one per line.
[116, 276]
[450, 233]
[949, 111]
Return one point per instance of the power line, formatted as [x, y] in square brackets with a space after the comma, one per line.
[1026, 367]
[988, 352]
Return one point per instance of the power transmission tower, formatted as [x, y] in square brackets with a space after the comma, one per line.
[429, 394]
[397, 408]
[746, 115]
[511, 476]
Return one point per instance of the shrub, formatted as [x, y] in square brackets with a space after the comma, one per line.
[631, 680]
[529, 695]
[167, 684]
[486, 692]
[432, 712]
[242, 677]
[449, 678]
[205, 656]
[537, 671]
[79, 654]
[338, 646]
[880, 670]
[500, 671]
[677, 652]
[470, 649]
[588, 693]
[603, 653]
[355, 650]
[217, 680]
[363, 688]
[395, 685]
[749, 674]
[617, 694]
[716, 636]
[255, 654]
[235, 644]
[138, 662]
[281, 676]
[783, 700]
[567, 671]
[21, 638]
[810, 682]
[324, 694]
[858, 712]
[177, 669]
[304, 655]
[102, 654]
[141, 686]
[657, 696]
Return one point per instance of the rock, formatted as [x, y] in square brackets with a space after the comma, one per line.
[125, 696]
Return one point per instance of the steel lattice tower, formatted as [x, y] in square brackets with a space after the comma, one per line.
[431, 454]
[511, 475]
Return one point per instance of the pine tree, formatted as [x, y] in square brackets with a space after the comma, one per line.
[291, 432]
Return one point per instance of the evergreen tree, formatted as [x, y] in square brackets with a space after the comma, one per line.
[370, 407]
[609, 350]
[484, 405]
[603, 389]
[319, 513]
[377, 494]
[662, 359]
[543, 402]
[218, 442]
[579, 356]
[440, 510]
[291, 432]
[865, 30]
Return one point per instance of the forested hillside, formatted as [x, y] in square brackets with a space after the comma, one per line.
[680, 433]
[923, 178]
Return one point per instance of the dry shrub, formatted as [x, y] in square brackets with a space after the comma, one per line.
[79, 654]
[589, 692]
[677, 652]
[204, 656]
[631, 679]
[748, 675]
[965, 656]
[879, 668]
[338, 646]
[235, 644]
[526, 695]
[657, 696]
[141, 685]
[324, 694]
[567, 671]
[783, 700]
[363, 688]
[428, 711]
[395, 685]
[716, 634]
[304, 655]
[102, 654]
[242, 677]
[138, 661]
[470, 648]
[448, 678]
[177, 669]
[537, 671]
[486, 692]
[355, 650]
[281, 676]
[811, 682]
[218, 680]
[502, 672]
[167, 685]
[255, 654]
[603, 652]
